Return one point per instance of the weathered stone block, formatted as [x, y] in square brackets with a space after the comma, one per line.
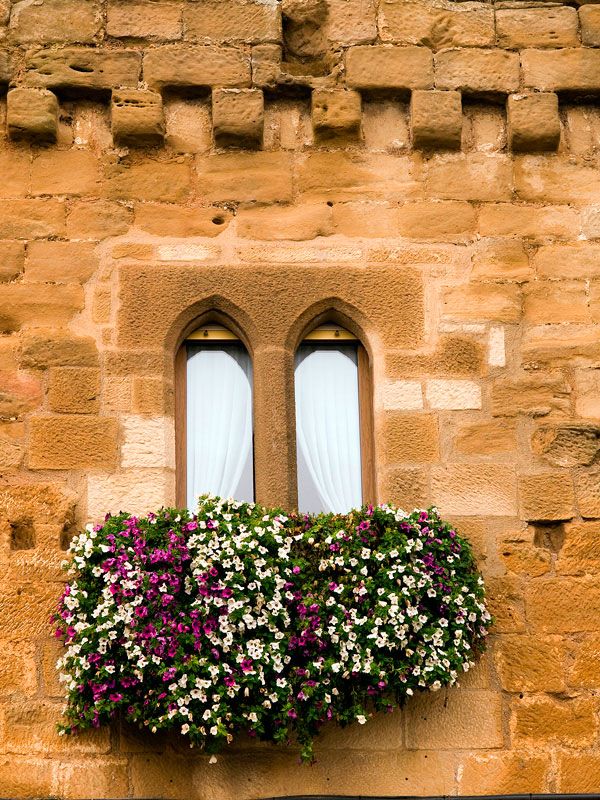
[136, 491]
[74, 390]
[546, 496]
[32, 114]
[266, 65]
[589, 17]
[83, 70]
[32, 219]
[72, 442]
[238, 116]
[137, 117]
[68, 172]
[531, 664]
[42, 348]
[167, 181]
[199, 66]
[381, 67]
[504, 259]
[32, 303]
[138, 19]
[486, 438]
[296, 223]
[544, 720]
[587, 490]
[453, 394]
[246, 177]
[567, 445]
[436, 119]
[12, 260]
[533, 121]
[336, 113]
[579, 771]
[455, 25]
[60, 262]
[148, 442]
[509, 772]
[55, 21]
[518, 28]
[570, 70]
[233, 21]
[477, 71]
[468, 176]
[483, 301]
[473, 490]
[437, 220]
[410, 437]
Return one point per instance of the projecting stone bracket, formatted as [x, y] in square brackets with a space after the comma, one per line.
[533, 122]
[137, 117]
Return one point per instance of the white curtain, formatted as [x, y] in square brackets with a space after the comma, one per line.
[328, 428]
[219, 423]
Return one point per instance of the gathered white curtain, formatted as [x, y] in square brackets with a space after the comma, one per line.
[219, 423]
[327, 428]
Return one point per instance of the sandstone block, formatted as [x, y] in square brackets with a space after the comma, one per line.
[42, 348]
[578, 771]
[485, 438]
[580, 553]
[436, 119]
[60, 262]
[148, 442]
[402, 396]
[546, 496]
[55, 21]
[548, 346]
[556, 301]
[74, 390]
[531, 664]
[371, 219]
[22, 776]
[407, 488]
[477, 71]
[246, 177]
[38, 502]
[567, 445]
[150, 396]
[529, 222]
[438, 220]
[380, 67]
[533, 122]
[445, 395]
[340, 176]
[504, 259]
[97, 219]
[509, 772]
[140, 20]
[336, 113]
[468, 176]
[25, 736]
[411, 437]
[574, 260]
[587, 399]
[32, 304]
[496, 347]
[535, 395]
[456, 25]
[556, 180]
[135, 491]
[72, 442]
[182, 221]
[12, 260]
[266, 65]
[238, 117]
[587, 490]
[32, 219]
[204, 65]
[563, 605]
[481, 302]
[351, 21]
[585, 671]
[17, 669]
[86, 777]
[154, 181]
[505, 603]
[518, 28]
[472, 490]
[545, 720]
[32, 114]
[589, 18]
[102, 304]
[65, 172]
[570, 70]
[465, 719]
[295, 223]
[137, 117]
[249, 21]
[20, 393]
[82, 69]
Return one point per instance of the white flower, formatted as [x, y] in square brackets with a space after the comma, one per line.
[361, 719]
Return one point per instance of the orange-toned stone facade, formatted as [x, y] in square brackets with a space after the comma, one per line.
[424, 170]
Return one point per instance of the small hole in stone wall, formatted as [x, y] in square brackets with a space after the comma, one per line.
[550, 536]
[218, 220]
[330, 203]
[22, 534]
[81, 68]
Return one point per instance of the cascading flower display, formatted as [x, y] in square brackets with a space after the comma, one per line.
[240, 618]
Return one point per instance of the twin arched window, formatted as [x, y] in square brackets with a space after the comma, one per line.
[332, 415]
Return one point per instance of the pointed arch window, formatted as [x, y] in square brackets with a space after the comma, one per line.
[334, 443]
[214, 414]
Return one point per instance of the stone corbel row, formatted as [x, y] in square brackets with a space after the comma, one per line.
[238, 117]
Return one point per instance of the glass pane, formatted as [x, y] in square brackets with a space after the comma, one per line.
[328, 428]
[219, 422]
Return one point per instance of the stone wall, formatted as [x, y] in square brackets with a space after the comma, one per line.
[428, 172]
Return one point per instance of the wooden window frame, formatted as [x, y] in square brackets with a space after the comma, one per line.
[212, 334]
[332, 334]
